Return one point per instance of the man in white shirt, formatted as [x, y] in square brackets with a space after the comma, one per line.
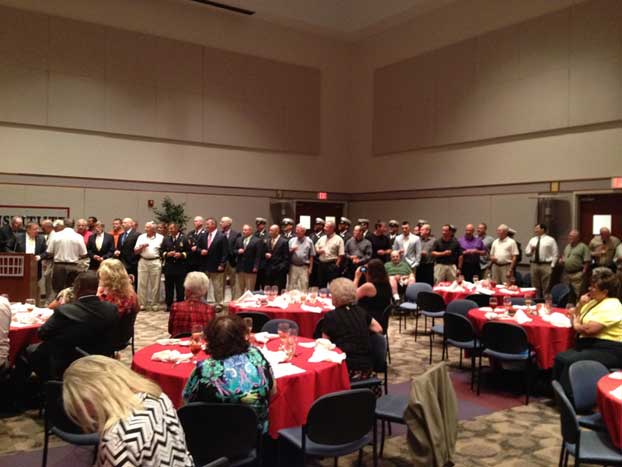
[67, 248]
[149, 266]
[543, 252]
[503, 254]
[302, 252]
[47, 229]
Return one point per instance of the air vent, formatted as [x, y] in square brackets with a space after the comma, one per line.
[224, 6]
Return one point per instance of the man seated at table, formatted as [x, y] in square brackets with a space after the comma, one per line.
[598, 323]
[399, 273]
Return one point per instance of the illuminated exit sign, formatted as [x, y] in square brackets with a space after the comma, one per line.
[324, 195]
[616, 183]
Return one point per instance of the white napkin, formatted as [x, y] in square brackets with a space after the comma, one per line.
[18, 307]
[484, 291]
[263, 337]
[167, 341]
[286, 369]
[508, 291]
[616, 375]
[491, 315]
[522, 318]
[322, 354]
[25, 319]
[279, 302]
[172, 356]
[617, 393]
[274, 358]
[246, 296]
[326, 343]
[485, 309]
[307, 345]
[527, 289]
[312, 309]
[559, 320]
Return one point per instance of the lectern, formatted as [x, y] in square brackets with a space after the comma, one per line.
[18, 276]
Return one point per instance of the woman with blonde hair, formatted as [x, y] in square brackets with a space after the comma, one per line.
[116, 287]
[137, 422]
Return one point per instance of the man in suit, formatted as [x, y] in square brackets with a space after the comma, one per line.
[193, 238]
[174, 251]
[248, 250]
[100, 246]
[125, 248]
[409, 245]
[261, 234]
[277, 258]
[215, 255]
[32, 243]
[8, 233]
[232, 236]
[318, 232]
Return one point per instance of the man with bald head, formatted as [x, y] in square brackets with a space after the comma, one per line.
[82, 227]
[576, 260]
[503, 254]
[472, 250]
[330, 250]
[8, 233]
[147, 248]
[302, 253]
[603, 248]
[125, 248]
[277, 258]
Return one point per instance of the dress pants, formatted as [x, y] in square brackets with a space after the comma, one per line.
[540, 278]
[243, 282]
[149, 271]
[471, 269]
[174, 287]
[444, 272]
[48, 267]
[278, 278]
[218, 285]
[498, 272]
[425, 273]
[298, 278]
[327, 271]
[63, 275]
[231, 274]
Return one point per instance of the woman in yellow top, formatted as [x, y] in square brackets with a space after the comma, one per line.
[598, 323]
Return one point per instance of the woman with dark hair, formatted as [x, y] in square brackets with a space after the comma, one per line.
[598, 323]
[235, 372]
[375, 294]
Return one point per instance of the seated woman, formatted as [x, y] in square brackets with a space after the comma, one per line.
[400, 273]
[598, 323]
[375, 294]
[235, 372]
[192, 310]
[116, 287]
[348, 327]
[137, 422]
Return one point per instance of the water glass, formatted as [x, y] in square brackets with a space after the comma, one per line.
[313, 291]
[493, 302]
[283, 332]
[475, 279]
[548, 302]
[30, 304]
[507, 303]
[292, 341]
[267, 291]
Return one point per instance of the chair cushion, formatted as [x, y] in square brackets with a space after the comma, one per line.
[80, 439]
[507, 356]
[391, 407]
[407, 306]
[464, 345]
[596, 448]
[593, 422]
[433, 314]
[294, 436]
[438, 329]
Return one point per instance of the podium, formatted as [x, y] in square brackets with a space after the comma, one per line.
[18, 276]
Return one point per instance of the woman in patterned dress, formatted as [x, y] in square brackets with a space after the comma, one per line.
[235, 372]
[137, 422]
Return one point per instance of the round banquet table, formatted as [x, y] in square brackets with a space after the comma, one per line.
[547, 340]
[306, 320]
[21, 337]
[610, 406]
[498, 292]
[295, 393]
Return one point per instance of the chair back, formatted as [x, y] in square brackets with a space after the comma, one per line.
[55, 415]
[505, 337]
[458, 327]
[319, 329]
[385, 317]
[518, 278]
[584, 376]
[527, 279]
[560, 293]
[517, 301]
[341, 417]
[378, 351]
[570, 426]
[219, 430]
[430, 301]
[461, 307]
[412, 291]
[126, 331]
[222, 462]
[259, 319]
[272, 326]
[479, 298]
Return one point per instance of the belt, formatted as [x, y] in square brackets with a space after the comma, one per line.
[328, 261]
[540, 262]
[502, 264]
[150, 259]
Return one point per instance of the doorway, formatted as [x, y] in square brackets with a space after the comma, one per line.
[314, 210]
[601, 209]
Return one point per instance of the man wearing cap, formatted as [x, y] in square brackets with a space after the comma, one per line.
[344, 229]
[287, 226]
[409, 245]
[364, 223]
[358, 251]
[330, 249]
[260, 233]
[380, 243]
[394, 230]
[302, 253]
[543, 253]
[318, 232]
[260, 223]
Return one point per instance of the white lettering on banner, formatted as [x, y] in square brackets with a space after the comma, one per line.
[32, 213]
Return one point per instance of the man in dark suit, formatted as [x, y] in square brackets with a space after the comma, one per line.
[277, 259]
[248, 250]
[33, 243]
[193, 238]
[232, 236]
[125, 248]
[261, 233]
[100, 246]
[318, 232]
[8, 233]
[215, 255]
[174, 251]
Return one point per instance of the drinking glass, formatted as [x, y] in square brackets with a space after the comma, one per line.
[283, 332]
[313, 294]
[292, 341]
[267, 291]
[323, 292]
[249, 324]
[196, 341]
[493, 302]
[30, 304]
[475, 279]
[460, 279]
[548, 302]
[275, 291]
[571, 309]
[507, 303]
[528, 302]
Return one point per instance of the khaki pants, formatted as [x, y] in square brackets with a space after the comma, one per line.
[231, 274]
[243, 282]
[499, 272]
[540, 278]
[444, 272]
[218, 283]
[298, 278]
[575, 282]
[149, 271]
[46, 278]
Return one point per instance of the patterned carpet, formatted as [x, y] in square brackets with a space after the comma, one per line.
[517, 436]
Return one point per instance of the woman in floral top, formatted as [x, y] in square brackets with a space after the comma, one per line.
[235, 372]
[116, 287]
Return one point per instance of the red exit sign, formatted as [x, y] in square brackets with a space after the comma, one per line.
[322, 195]
[616, 182]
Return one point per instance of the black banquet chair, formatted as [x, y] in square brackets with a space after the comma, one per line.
[560, 294]
[378, 350]
[259, 319]
[410, 301]
[214, 431]
[338, 424]
[126, 332]
[430, 305]
[479, 298]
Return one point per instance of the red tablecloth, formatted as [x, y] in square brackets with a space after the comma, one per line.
[610, 408]
[547, 340]
[306, 320]
[451, 296]
[20, 338]
[295, 393]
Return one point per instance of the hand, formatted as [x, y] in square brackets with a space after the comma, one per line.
[116, 253]
[358, 273]
[424, 253]
[221, 268]
[356, 260]
[320, 251]
[585, 298]
[177, 255]
[170, 253]
[194, 248]
[38, 258]
[203, 252]
[98, 258]
[268, 255]
[561, 260]
[241, 251]
[508, 274]
[493, 260]
[254, 270]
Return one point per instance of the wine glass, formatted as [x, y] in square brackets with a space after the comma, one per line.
[313, 291]
[528, 302]
[507, 303]
[274, 291]
[267, 291]
[283, 332]
[493, 302]
[548, 302]
[292, 341]
[460, 279]
[196, 341]
[571, 309]
[30, 304]
[475, 279]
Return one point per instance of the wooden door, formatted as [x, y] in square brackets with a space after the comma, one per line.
[314, 210]
[605, 204]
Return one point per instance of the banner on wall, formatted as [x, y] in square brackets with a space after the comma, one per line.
[31, 213]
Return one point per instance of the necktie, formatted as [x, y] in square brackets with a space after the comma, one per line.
[246, 240]
[209, 240]
[123, 237]
[537, 257]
